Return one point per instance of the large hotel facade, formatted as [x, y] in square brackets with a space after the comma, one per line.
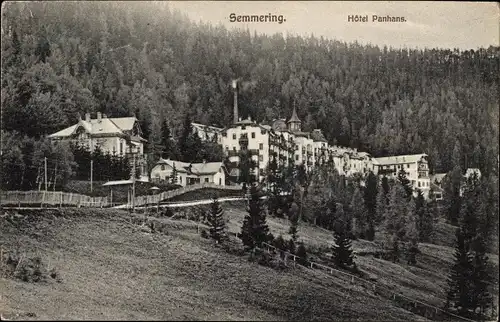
[286, 143]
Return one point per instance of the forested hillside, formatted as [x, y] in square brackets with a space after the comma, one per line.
[61, 58]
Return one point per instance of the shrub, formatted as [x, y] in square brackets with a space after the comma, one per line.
[28, 269]
[302, 254]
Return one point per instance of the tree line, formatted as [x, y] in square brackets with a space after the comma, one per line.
[145, 59]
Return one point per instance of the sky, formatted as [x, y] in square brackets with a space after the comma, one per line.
[463, 25]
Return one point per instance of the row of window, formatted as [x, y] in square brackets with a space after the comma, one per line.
[261, 147]
[400, 166]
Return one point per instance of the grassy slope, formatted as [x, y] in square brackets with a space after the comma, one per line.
[426, 281]
[113, 270]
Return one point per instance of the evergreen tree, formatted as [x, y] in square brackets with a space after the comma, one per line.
[293, 216]
[394, 225]
[411, 233]
[216, 222]
[425, 219]
[459, 282]
[452, 191]
[480, 277]
[403, 180]
[359, 214]
[169, 148]
[370, 198]
[342, 250]
[255, 230]
[382, 201]
[469, 277]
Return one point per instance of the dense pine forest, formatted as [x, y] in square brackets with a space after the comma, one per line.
[142, 58]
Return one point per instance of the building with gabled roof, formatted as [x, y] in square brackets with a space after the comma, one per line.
[118, 136]
[189, 173]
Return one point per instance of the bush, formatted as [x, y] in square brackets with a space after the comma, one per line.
[204, 234]
[27, 269]
[302, 254]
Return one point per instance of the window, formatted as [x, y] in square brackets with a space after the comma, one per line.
[261, 146]
[419, 184]
[121, 147]
[234, 136]
[296, 157]
[413, 182]
[227, 148]
[253, 135]
[234, 148]
[162, 167]
[261, 157]
[206, 179]
[408, 166]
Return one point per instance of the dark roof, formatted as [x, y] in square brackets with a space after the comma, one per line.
[294, 117]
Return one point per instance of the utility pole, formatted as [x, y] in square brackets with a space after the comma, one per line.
[133, 184]
[91, 174]
[55, 177]
[45, 166]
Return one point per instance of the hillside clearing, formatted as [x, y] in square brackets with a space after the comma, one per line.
[113, 270]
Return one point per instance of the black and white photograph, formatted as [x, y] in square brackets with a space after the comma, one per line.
[249, 160]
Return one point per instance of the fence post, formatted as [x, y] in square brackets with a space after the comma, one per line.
[60, 204]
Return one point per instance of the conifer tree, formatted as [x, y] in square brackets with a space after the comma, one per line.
[394, 222]
[469, 277]
[425, 219]
[359, 214]
[459, 282]
[370, 197]
[403, 180]
[342, 250]
[255, 230]
[382, 200]
[293, 215]
[411, 233]
[216, 222]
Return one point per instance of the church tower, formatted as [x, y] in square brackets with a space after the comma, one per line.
[294, 123]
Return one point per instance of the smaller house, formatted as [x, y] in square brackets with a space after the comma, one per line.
[437, 185]
[189, 173]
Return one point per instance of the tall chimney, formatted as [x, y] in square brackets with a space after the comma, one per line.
[99, 116]
[87, 117]
[235, 102]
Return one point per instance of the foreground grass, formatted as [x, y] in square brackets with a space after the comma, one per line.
[111, 269]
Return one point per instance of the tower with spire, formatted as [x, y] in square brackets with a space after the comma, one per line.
[294, 123]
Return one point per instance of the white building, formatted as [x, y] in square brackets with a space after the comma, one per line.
[189, 173]
[415, 166]
[119, 136]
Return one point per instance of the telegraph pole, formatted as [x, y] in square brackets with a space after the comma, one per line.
[45, 166]
[133, 184]
[91, 174]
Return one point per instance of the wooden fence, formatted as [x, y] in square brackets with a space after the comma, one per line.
[426, 310]
[60, 199]
[50, 198]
